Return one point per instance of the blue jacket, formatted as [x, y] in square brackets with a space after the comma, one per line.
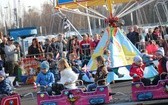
[45, 79]
[5, 87]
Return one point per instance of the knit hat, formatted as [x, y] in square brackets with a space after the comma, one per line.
[2, 73]
[45, 65]
[160, 52]
[137, 59]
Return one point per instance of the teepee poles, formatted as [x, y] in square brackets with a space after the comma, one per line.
[93, 11]
[146, 2]
[61, 15]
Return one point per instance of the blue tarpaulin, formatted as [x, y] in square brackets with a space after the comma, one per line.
[22, 32]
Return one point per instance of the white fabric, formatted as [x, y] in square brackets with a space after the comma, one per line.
[10, 53]
[67, 75]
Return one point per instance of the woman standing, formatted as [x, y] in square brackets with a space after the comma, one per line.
[35, 49]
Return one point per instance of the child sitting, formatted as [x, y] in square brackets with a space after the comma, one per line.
[5, 86]
[68, 77]
[147, 58]
[76, 64]
[162, 67]
[137, 71]
[45, 78]
[108, 63]
[53, 66]
[101, 73]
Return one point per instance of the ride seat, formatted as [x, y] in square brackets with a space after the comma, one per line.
[80, 85]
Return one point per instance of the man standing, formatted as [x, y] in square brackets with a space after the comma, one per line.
[11, 56]
[59, 45]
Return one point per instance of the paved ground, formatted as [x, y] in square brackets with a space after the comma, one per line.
[123, 96]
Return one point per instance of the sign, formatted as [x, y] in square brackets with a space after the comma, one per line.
[65, 1]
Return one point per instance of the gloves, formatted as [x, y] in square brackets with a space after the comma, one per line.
[135, 75]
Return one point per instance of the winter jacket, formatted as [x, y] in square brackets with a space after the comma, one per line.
[10, 52]
[45, 79]
[67, 75]
[5, 87]
[101, 73]
[139, 70]
[162, 67]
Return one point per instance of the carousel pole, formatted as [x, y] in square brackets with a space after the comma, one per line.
[89, 25]
[109, 6]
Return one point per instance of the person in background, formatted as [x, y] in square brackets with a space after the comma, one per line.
[151, 47]
[136, 36]
[101, 73]
[142, 34]
[85, 49]
[156, 34]
[137, 71]
[73, 46]
[5, 86]
[149, 36]
[60, 45]
[129, 34]
[11, 52]
[53, 66]
[147, 58]
[47, 47]
[74, 61]
[35, 49]
[2, 48]
[45, 78]
[95, 41]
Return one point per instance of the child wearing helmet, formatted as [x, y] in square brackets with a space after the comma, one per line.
[137, 71]
[45, 78]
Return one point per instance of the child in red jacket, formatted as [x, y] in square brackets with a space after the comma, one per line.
[137, 71]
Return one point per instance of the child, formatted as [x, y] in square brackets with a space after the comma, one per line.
[109, 63]
[68, 77]
[5, 86]
[137, 71]
[162, 66]
[53, 66]
[100, 74]
[45, 78]
[147, 58]
[75, 63]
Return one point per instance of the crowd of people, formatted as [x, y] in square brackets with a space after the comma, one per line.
[65, 60]
[148, 39]
[153, 46]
